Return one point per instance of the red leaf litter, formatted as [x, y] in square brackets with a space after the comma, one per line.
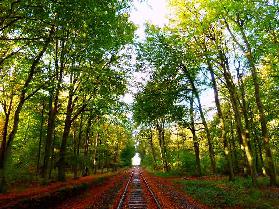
[101, 196]
[169, 196]
[82, 200]
[105, 194]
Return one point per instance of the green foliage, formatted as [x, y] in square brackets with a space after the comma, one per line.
[60, 60]
[147, 162]
[230, 46]
[171, 173]
[127, 154]
[211, 195]
[222, 193]
[188, 162]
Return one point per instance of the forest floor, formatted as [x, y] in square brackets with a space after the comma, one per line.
[96, 191]
[103, 191]
[218, 192]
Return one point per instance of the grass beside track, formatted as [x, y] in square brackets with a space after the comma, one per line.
[240, 192]
[218, 192]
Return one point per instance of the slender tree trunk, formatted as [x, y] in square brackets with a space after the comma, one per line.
[242, 132]
[152, 148]
[195, 138]
[67, 127]
[116, 154]
[52, 157]
[160, 141]
[69, 119]
[167, 168]
[209, 139]
[236, 164]
[95, 153]
[265, 135]
[99, 153]
[86, 145]
[50, 129]
[178, 146]
[258, 147]
[222, 122]
[161, 145]
[40, 140]
[5, 150]
[102, 161]
[78, 147]
[247, 50]
[244, 107]
[53, 108]
[106, 160]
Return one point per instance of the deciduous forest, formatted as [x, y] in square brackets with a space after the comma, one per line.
[232, 48]
[208, 111]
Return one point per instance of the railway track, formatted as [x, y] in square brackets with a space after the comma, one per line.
[138, 194]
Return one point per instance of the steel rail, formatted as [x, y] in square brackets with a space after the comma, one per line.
[151, 192]
[125, 192]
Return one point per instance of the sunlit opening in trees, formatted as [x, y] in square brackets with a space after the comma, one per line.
[136, 159]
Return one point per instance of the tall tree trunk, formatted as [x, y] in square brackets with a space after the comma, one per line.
[53, 108]
[86, 145]
[162, 146]
[222, 122]
[115, 157]
[5, 150]
[247, 50]
[258, 147]
[52, 157]
[67, 127]
[235, 158]
[244, 108]
[195, 138]
[152, 148]
[209, 139]
[69, 119]
[242, 132]
[160, 141]
[48, 143]
[265, 135]
[40, 139]
[167, 167]
[7, 111]
[95, 153]
[78, 147]
[99, 153]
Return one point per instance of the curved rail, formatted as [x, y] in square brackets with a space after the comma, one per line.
[124, 194]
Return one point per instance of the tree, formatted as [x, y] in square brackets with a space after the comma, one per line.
[43, 45]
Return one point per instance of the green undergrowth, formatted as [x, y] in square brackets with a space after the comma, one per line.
[166, 174]
[240, 192]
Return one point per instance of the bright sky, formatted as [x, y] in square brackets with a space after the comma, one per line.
[153, 11]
